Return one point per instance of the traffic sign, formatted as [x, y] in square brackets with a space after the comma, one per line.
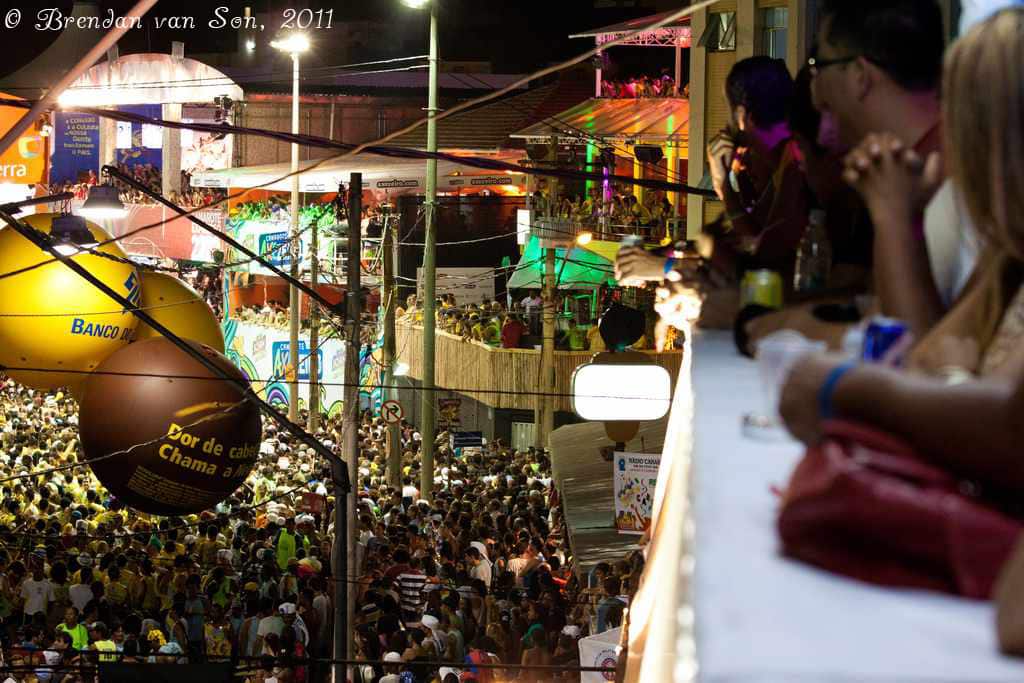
[392, 412]
[467, 440]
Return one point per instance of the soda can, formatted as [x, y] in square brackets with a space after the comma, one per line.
[882, 341]
[762, 288]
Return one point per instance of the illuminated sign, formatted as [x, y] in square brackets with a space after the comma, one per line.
[25, 161]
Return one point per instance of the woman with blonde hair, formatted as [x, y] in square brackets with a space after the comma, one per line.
[961, 405]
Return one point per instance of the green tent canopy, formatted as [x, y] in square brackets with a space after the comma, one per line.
[582, 269]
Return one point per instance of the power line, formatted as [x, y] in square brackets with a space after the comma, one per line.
[206, 378]
[386, 151]
[253, 76]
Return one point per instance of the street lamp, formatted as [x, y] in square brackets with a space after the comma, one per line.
[103, 202]
[294, 44]
[428, 428]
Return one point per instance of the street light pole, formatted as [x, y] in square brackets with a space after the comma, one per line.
[294, 45]
[294, 301]
[428, 427]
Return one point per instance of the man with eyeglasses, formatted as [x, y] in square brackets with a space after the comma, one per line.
[876, 77]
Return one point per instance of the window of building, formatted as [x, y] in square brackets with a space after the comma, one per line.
[774, 29]
[720, 34]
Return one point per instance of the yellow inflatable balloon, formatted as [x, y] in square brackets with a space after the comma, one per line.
[180, 309]
[52, 318]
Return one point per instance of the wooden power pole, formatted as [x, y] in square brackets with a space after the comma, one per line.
[345, 524]
[389, 296]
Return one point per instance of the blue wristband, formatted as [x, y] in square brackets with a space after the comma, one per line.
[828, 390]
[670, 263]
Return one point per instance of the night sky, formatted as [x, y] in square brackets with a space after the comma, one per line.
[516, 36]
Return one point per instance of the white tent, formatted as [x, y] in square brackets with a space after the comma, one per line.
[149, 78]
[601, 650]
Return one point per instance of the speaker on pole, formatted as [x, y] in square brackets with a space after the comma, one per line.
[648, 154]
[538, 152]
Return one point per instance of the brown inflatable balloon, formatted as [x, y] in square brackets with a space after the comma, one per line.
[210, 438]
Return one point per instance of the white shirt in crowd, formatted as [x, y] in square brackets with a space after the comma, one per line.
[272, 624]
[37, 595]
[80, 595]
[482, 571]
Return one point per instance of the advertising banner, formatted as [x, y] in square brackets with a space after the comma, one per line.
[24, 162]
[262, 353]
[469, 285]
[636, 476]
[139, 144]
[76, 147]
[448, 413]
[600, 651]
[271, 240]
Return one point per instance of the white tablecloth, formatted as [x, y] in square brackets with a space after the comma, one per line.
[761, 618]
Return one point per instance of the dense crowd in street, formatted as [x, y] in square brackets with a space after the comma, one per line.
[480, 575]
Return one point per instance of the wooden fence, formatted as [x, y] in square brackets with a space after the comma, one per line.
[497, 377]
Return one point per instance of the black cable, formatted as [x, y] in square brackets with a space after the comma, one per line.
[307, 290]
[590, 136]
[254, 76]
[461, 390]
[380, 150]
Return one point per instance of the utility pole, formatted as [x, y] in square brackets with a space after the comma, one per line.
[388, 295]
[294, 302]
[429, 426]
[545, 413]
[547, 353]
[350, 437]
[314, 332]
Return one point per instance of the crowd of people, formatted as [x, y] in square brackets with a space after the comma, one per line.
[644, 86]
[621, 212]
[189, 197]
[482, 575]
[491, 323]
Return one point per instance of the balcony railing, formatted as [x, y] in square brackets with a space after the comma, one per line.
[498, 377]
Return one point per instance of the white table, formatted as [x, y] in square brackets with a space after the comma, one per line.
[761, 618]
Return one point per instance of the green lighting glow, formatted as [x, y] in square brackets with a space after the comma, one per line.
[591, 149]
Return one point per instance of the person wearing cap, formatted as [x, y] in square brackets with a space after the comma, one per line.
[101, 642]
[291, 618]
[449, 674]
[392, 668]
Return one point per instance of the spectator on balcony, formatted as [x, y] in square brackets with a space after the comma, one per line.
[595, 342]
[512, 332]
[574, 338]
[756, 174]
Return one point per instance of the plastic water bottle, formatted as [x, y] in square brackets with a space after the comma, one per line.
[813, 256]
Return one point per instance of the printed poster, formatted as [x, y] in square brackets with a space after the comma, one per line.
[76, 147]
[636, 476]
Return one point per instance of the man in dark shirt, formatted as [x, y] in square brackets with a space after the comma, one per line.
[755, 172]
